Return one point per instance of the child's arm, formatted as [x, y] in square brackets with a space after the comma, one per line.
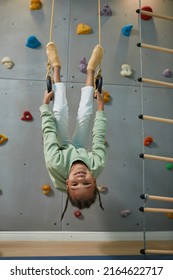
[49, 129]
[48, 96]
[99, 131]
[100, 101]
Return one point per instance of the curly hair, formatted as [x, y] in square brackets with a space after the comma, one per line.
[81, 204]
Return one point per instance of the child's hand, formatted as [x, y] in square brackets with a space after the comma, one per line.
[100, 100]
[48, 97]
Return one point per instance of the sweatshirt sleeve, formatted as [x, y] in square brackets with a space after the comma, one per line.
[51, 147]
[99, 134]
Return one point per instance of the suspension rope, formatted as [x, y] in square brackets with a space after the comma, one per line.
[99, 29]
[51, 20]
[48, 66]
[99, 23]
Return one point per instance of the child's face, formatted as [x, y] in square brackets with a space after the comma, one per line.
[80, 183]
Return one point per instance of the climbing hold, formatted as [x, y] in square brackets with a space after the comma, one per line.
[3, 139]
[106, 97]
[77, 213]
[169, 215]
[35, 5]
[83, 28]
[148, 140]
[83, 65]
[46, 189]
[33, 42]
[125, 212]
[126, 70]
[7, 62]
[167, 73]
[169, 166]
[102, 189]
[126, 30]
[27, 116]
[106, 10]
[148, 9]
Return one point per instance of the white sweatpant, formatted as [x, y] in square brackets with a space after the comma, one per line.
[85, 110]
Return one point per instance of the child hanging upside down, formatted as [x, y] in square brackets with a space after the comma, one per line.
[71, 167]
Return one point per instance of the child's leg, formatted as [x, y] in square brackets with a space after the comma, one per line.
[60, 107]
[80, 137]
[81, 134]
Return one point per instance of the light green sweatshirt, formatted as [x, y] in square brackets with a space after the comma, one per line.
[59, 160]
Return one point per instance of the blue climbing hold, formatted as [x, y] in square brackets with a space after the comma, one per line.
[126, 30]
[33, 42]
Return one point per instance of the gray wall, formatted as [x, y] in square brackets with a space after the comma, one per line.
[22, 167]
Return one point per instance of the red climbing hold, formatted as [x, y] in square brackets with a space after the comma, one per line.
[77, 213]
[148, 140]
[27, 116]
[147, 9]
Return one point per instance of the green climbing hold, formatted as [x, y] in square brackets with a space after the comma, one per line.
[169, 166]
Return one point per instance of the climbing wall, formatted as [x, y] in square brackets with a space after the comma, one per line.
[23, 206]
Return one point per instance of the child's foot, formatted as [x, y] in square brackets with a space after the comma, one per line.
[52, 54]
[95, 58]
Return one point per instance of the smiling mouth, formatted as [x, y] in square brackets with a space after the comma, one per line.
[80, 173]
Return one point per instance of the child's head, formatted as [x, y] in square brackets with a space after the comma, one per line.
[81, 187]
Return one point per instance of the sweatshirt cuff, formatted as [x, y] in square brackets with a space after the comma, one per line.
[44, 108]
[100, 113]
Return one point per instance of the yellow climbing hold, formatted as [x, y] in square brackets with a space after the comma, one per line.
[83, 28]
[3, 138]
[169, 215]
[106, 97]
[46, 189]
[35, 5]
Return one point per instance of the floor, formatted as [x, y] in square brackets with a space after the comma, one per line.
[74, 248]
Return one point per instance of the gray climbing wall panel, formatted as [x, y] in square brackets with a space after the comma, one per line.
[22, 168]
